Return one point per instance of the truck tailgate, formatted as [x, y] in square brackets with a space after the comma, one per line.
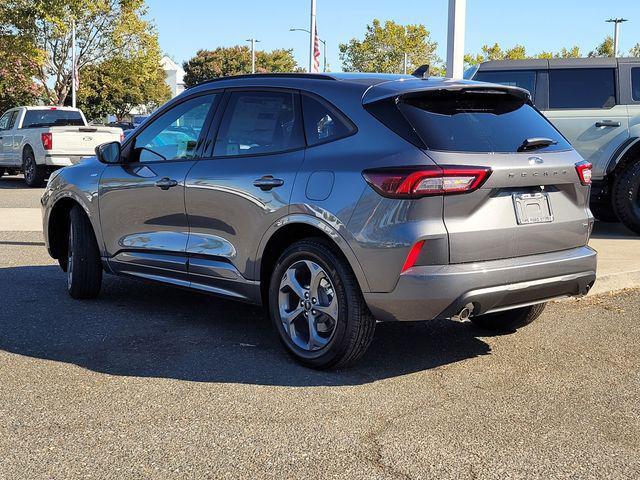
[81, 140]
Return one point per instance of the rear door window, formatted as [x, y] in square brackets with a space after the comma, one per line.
[259, 122]
[52, 118]
[477, 120]
[513, 78]
[635, 84]
[582, 88]
[322, 122]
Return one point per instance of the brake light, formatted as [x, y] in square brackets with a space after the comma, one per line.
[47, 141]
[584, 172]
[413, 256]
[416, 182]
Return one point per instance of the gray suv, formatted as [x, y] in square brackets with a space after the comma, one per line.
[336, 201]
[595, 103]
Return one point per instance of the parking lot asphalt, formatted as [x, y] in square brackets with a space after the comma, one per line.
[148, 381]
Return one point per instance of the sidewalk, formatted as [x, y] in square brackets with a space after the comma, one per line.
[618, 248]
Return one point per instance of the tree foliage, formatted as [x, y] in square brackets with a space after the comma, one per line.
[518, 52]
[604, 49]
[106, 29]
[225, 61]
[119, 84]
[383, 47]
[18, 64]
[635, 51]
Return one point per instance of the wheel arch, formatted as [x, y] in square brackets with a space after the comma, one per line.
[627, 153]
[291, 229]
[58, 225]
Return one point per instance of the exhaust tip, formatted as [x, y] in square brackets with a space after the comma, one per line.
[465, 313]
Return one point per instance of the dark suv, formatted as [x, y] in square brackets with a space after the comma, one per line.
[595, 103]
[336, 201]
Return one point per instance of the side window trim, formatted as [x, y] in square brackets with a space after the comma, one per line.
[223, 105]
[129, 143]
[353, 128]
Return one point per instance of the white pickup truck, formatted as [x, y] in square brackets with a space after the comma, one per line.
[37, 140]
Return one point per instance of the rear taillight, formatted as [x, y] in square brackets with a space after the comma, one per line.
[416, 182]
[47, 141]
[413, 256]
[584, 172]
[121, 137]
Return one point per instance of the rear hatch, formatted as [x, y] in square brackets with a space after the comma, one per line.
[534, 200]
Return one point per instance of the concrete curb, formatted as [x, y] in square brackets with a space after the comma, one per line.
[616, 281]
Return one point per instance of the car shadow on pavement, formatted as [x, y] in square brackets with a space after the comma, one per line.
[611, 231]
[145, 330]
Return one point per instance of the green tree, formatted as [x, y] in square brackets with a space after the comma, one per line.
[105, 29]
[226, 61]
[635, 51]
[518, 52]
[604, 49]
[119, 84]
[384, 46]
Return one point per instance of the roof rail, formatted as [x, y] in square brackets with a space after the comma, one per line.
[310, 76]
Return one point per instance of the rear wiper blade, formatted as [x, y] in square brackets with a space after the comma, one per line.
[534, 143]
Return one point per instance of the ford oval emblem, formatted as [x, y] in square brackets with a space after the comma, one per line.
[87, 139]
[535, 160]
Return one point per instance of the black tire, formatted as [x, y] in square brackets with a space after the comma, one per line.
[604, 212]
[354, 327]
[509, 320]
[34, 174]
[84, 268]
[626, 196]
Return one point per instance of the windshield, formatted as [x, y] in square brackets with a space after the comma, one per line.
[477, 120]
[52, 118]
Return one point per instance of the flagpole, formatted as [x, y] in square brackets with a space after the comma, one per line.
[73, 64]
[312, 33]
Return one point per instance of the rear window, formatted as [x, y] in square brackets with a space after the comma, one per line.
[477, 121]
[635, 84]
[582, 88]
[513, 78]
[51, 118]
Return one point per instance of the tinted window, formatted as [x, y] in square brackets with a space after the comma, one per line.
[476, 121]
[323, 123]
[514, 78]
[51, 118]
[635, 84]
[174, 135]
[259, 122]
[582, 88]
[4, 121]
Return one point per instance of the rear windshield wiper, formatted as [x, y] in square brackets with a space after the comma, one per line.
[535, 143]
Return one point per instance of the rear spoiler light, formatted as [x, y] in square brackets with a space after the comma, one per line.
[423, 181]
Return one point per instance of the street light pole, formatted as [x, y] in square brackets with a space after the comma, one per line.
[324, 45]
[253, 53]
[455, 38]
[616, 33]
[74, 67]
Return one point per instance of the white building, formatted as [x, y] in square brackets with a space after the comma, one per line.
[174, 76]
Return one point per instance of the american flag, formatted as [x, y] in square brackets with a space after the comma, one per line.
[316, 52]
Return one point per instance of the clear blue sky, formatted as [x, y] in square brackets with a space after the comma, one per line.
[188, 25]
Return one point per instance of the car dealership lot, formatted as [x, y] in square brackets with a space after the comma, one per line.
[150, 381]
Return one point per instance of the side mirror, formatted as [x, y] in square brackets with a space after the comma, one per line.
[109, 153]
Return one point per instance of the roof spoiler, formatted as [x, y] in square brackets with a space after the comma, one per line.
[422, 71]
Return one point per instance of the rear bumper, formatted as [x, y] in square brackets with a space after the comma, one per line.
[441, 291]
[63, 160]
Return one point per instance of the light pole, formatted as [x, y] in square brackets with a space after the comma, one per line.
[253, 53]
[616, 33]
[324, 45]
[455, 38]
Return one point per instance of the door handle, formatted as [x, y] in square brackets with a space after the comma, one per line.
[607, 123]
[268, 182]
[166, 183]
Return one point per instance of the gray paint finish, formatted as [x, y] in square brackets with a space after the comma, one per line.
[210, 230]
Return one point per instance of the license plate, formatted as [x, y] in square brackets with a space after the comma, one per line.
[532, 208]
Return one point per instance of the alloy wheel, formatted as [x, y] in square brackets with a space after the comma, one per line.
[308, 305]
